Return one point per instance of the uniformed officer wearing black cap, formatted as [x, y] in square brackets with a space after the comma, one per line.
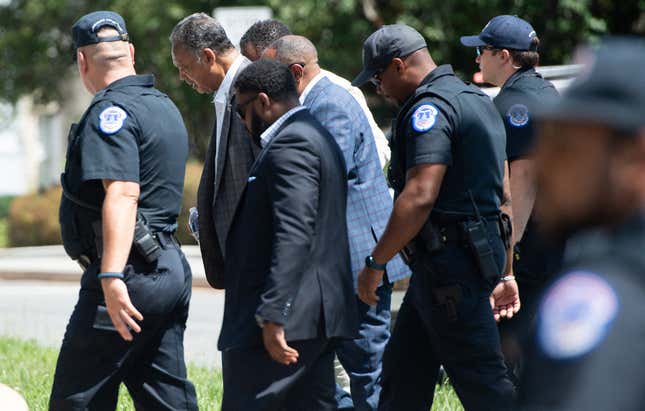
[507, 53]
[588, 350]
[122, 188]
[447, 170]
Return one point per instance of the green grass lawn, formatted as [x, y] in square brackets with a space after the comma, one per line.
[4, 233]
[29, 368]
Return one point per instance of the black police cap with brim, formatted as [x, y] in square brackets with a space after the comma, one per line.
[85, 30]
[386, 43]
[612, 90]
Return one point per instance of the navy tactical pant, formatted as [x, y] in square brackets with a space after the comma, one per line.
[94, 359]
[446, 319]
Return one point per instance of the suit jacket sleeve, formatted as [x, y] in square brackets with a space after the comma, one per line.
[293, 179]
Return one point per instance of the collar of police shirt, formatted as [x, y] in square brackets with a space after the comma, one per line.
[311, 85]
[270, 132]
[221, 99]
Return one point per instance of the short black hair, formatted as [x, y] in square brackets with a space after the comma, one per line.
[262, 33]
[269, 77]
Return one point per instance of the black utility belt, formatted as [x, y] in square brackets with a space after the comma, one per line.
[145, 243]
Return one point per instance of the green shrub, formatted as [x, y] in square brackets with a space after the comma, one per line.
[5, 202]
[33, 219]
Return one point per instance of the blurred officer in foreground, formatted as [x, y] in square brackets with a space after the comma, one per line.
[588, 346]
[447, 170]
[369, 206]
[122, 189]
[263, 33]
[507, 54]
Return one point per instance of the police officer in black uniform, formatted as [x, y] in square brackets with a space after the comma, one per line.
[507, 53]
[447, 170]
[588, 351]
[122, 187]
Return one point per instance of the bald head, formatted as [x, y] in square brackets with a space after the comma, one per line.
[102, 63]
[108, 55]
[293, 49]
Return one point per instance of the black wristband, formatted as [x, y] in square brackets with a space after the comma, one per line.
[371, 263]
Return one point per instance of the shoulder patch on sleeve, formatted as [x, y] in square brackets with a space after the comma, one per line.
[111, 119]
[424, 117]
[575, 315]
[518, 115]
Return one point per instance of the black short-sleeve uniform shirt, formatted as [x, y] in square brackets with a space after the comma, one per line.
[588, 337]
[523, 93]
[130, 132]
[450, 122]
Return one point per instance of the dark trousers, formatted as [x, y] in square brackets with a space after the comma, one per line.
[254, 382]
[446, 319]
[362, 357]
[94, 359]
[514, 333]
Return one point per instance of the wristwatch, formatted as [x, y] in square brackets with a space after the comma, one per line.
[371, 263]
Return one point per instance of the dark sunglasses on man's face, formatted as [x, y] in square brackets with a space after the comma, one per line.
[480, 49]
[376, 77]
[241, 107]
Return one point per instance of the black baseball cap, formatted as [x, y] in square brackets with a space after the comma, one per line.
[386, 43]
[84, 31]
[503, 32]
[611, 89]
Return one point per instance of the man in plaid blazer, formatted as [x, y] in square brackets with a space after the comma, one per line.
[208, 61]
[369, 205]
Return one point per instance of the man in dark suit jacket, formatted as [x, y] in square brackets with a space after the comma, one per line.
[289, 293]
[208, 61]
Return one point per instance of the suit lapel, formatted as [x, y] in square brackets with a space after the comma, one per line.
[224, 136]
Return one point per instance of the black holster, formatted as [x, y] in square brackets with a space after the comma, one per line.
[476, 236]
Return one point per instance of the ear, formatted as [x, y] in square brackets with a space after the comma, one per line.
[209, 55]
[297, 71]
[132, 53]
[265, 101]
[82, 62]
[505, 54]
[399, 64]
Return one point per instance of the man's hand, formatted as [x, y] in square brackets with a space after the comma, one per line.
[120, 308]
[505, 300]
[276, 345]
[368, 281]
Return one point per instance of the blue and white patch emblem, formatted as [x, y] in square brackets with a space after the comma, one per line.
[575, 315]
[424, 117]
[518, 115]
[111, 119]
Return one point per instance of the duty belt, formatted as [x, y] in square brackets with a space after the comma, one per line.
[166, 241]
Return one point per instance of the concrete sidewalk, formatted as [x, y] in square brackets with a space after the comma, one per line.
[50, 263]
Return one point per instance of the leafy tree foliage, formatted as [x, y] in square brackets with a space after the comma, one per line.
[36, 51]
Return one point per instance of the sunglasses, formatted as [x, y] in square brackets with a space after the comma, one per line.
[241, 108]
[480, 49]
[376, 77]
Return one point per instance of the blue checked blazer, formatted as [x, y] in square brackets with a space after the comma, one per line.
[369, 203]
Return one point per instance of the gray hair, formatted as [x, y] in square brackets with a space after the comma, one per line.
[294, 49]
[199, 31]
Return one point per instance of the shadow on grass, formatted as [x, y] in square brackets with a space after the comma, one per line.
[28, 368]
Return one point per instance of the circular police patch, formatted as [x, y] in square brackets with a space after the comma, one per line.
[424, 117]
[575, 315]
[111, 119]
[518, 115]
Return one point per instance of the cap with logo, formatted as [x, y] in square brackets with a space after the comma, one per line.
[611, 89]
[503, 32]
[386, 43]
[85, 30]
